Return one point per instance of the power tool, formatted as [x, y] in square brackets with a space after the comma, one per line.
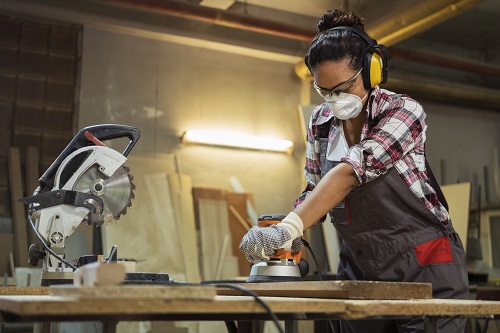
[87, 182]
[283, 265]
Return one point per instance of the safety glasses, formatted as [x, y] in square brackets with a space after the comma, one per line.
[338, 88]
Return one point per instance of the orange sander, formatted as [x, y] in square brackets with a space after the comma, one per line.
[283, 265]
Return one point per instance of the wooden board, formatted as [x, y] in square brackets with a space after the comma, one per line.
[32, 173]
[6, 248]
[158, 292]
[338, 289]
[237, 204]
[58, 308]
[215, 238]
[182, 200]
[205, 193]
[458, 198]
[15, 290]
[159, 194]
[19, 221]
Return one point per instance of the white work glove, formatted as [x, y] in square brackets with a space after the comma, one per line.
[260, 243]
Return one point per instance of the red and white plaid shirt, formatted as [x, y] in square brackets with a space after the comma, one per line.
[393, 136]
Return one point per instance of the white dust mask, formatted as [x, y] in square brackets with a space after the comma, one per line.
[345, 106]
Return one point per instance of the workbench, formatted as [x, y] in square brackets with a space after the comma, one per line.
[50, 308]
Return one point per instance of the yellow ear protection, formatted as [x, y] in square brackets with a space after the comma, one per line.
[374, 61]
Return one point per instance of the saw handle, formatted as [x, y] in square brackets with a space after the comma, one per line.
[101, 132]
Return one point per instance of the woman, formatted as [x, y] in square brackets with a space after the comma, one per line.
[365, 165]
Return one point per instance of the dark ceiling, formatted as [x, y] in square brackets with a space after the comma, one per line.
[439, 49]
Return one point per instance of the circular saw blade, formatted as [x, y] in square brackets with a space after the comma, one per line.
[116, 191]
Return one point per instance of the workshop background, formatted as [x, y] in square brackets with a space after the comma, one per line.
[165, 67]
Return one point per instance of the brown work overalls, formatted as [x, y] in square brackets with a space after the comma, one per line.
[390, 235]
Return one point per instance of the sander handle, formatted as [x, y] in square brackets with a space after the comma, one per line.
[267, 220]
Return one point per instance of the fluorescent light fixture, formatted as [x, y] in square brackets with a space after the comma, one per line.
[237, 140]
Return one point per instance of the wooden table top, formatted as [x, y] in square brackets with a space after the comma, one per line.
[49, 308]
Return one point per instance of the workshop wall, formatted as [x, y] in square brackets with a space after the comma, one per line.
[460, 147]
[164, 89]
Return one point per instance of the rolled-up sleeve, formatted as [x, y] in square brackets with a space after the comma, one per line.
[399, 129]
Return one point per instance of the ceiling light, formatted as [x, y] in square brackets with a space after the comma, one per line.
[237, 140]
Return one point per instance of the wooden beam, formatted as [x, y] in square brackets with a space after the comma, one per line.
[32, 173]
[18, 209]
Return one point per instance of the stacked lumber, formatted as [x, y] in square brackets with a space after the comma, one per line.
[222, 220]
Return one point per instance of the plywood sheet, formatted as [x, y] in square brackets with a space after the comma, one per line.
[458, 198]
[339, 289]
[159, 194]
[182, 200]
[214, 234]
[166, 292]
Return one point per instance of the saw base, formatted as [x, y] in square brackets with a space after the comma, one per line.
[53, 278]
[56, 278]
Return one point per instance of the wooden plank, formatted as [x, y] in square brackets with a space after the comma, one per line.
[6, 248]
[55, 308]
[32, 174]
[205, 193]
[16, 290]
[18, 209]
[214, 227]
[158, 292]
[238, 226]
[182, 200]
[339, 289]
[251, 211]
[458, 198]
[159, 194]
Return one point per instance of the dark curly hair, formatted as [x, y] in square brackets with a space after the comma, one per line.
[337, 45]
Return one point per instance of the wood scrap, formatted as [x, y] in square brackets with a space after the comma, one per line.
[338, 289]
[19, 221]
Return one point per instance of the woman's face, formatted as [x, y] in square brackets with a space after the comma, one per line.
[336, 77]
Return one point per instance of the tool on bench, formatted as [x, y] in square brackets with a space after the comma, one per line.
[283, 265]
[87, 182]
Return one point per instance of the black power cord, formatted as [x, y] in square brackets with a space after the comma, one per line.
[230, 325]
[306, 244]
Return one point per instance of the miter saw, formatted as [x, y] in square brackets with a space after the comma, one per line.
[87, 182]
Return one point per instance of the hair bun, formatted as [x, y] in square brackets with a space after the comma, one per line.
[336, 18]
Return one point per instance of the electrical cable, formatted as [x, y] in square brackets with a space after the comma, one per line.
[30, 210]
[46, 246]
[246, 291]
[306, 244]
